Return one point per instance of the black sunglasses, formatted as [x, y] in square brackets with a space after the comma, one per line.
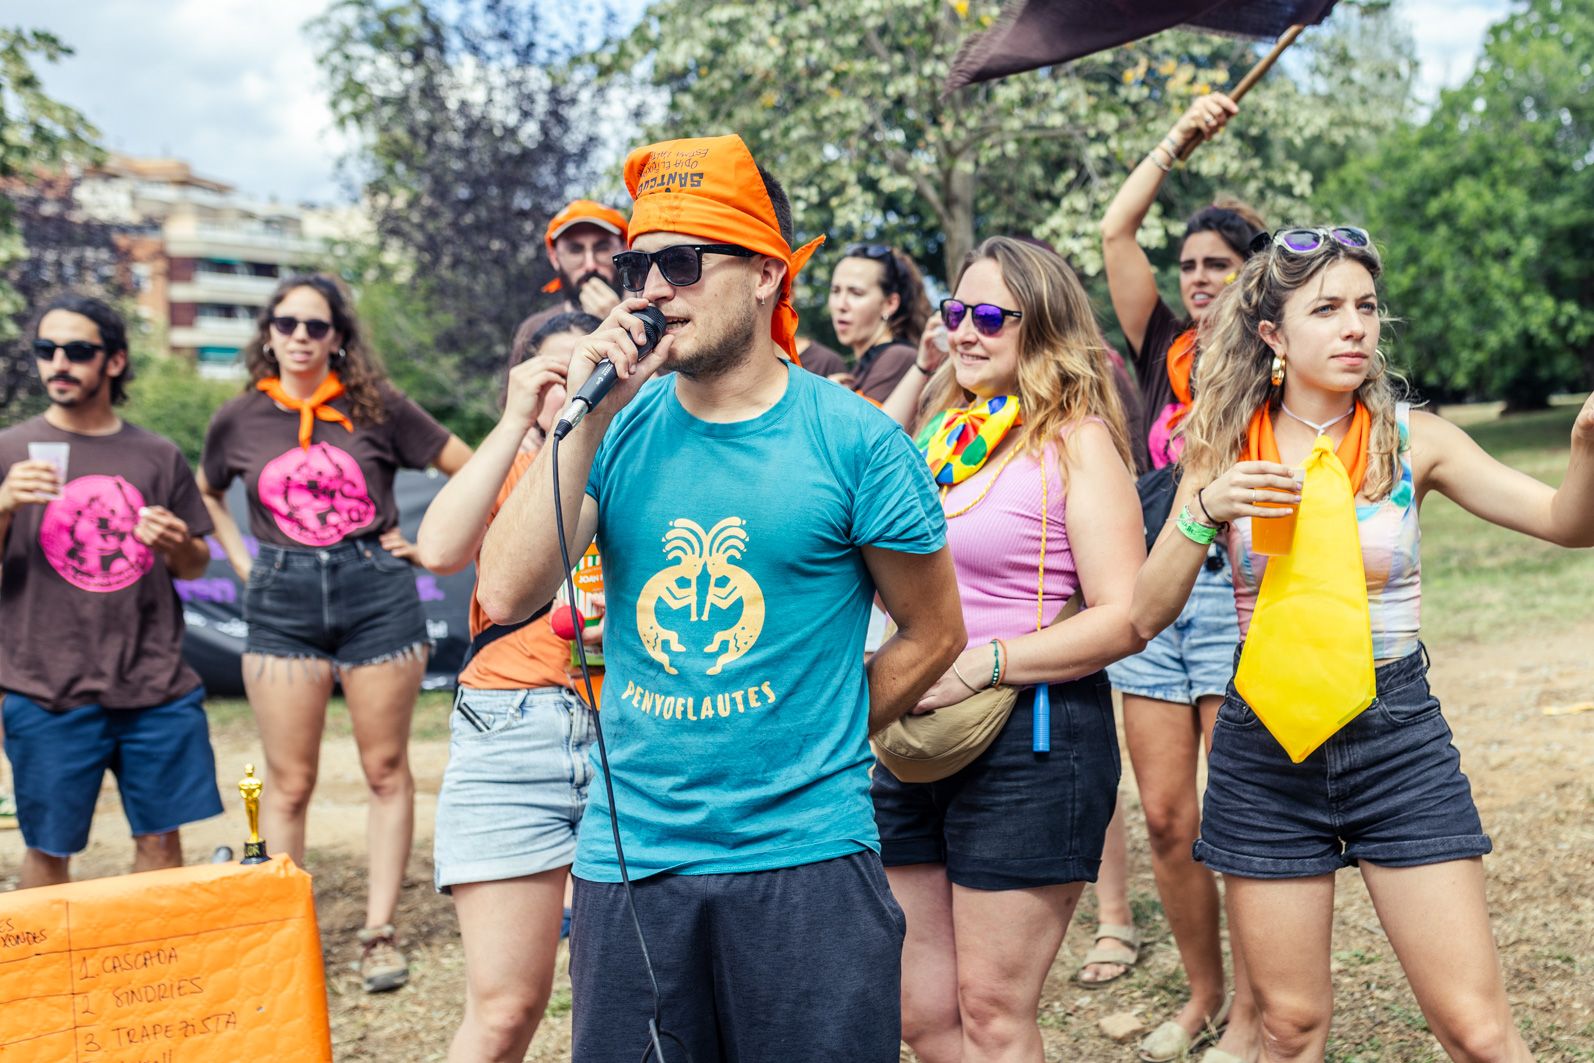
[988, 317]
[78, 351]
[681, 265]
[315, 328]
[881, 254]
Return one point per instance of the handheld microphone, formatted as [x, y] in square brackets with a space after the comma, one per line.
[603, 377]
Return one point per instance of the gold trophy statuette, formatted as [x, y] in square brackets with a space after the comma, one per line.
[250, 787]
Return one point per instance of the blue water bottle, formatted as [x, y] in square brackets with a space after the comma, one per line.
[1043, 719]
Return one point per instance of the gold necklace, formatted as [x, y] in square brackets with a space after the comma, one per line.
[987, 490]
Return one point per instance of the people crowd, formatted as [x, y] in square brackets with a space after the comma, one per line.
[783, 838]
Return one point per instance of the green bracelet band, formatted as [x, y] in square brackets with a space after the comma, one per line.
[996, 662]
[1194, 530]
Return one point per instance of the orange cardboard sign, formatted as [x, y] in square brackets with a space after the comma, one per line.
[189, 965]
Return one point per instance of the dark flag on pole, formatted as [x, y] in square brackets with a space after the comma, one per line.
[1036, 33]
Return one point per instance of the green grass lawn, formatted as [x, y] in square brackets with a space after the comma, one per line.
[1478, 579]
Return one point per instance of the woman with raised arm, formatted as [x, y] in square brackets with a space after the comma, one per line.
[1023, 429]
[1172, 690]
[1292, 376]
[317, 437]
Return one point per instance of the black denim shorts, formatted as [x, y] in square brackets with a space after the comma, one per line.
[1014, 818]
[352, 603]
[1388, 788]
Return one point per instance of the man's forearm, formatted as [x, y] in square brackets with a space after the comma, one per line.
[188, 560]
[905, 666]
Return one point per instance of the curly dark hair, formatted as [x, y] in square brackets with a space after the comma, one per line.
[358, 366]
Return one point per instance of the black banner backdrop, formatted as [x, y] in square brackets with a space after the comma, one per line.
[213, 605]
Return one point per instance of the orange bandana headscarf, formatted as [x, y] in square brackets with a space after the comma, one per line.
[1352, 450]
[710, 187]
[312, 409]
[579, 212]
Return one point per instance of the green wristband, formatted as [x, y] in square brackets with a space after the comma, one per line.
[996, 662]
[1194, 530]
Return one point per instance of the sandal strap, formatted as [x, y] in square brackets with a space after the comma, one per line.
[1127, 934]
[1121, 955]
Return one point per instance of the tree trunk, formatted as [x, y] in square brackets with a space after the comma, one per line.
[958, 190]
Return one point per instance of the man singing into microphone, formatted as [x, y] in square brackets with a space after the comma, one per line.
[747, 512]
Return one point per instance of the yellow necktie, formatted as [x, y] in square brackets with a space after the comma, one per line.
[1307, 667]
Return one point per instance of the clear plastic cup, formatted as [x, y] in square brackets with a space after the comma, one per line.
[1274, 536]
[54, 453]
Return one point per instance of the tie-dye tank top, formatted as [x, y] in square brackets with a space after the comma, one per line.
[1391, 556]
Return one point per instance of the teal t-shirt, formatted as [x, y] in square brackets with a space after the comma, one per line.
[735, 704]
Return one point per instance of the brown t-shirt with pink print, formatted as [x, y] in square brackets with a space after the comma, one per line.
[339, 487]
[89, 613]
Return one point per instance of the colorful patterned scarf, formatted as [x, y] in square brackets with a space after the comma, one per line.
[957, 442]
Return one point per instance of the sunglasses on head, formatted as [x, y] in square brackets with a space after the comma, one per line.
[315, 328]
[988, 318]
[78, 351]
[881, 254]
[1309, 241]
[681, 265]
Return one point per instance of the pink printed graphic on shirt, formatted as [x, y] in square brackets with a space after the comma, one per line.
[1165, 448]
[317, 496]
[87, 534]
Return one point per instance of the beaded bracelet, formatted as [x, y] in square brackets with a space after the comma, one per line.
[996, 661]
[1194, 530]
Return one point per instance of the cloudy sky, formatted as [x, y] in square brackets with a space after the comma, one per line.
[232, 86]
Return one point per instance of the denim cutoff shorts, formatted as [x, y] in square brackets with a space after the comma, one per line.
[1388, 788]
[1013, 818]
[351, 603]
[515, 786]
[1194, 656]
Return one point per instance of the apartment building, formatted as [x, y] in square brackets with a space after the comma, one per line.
[204, 258]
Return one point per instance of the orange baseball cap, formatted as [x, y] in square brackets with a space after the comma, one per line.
[581, 212]
[710, 187]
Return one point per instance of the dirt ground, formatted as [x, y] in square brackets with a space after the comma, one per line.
[1532, 774]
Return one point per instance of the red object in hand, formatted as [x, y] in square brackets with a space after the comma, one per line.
[566, 621]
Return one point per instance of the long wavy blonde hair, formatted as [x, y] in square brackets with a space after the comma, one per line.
[1064, 373]
[1236, 366]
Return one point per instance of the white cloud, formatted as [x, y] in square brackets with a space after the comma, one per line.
[230, 86]
[1449, 36]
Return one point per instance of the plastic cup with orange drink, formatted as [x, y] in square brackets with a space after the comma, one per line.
[1274, 536]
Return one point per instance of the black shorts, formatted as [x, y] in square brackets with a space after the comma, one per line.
[801, 963]
[352, 603]
[1014, 818]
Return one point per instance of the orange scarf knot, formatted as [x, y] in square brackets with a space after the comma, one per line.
[312, 409]
[1352, 450]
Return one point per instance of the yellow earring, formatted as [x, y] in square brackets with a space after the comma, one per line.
[1278, 370]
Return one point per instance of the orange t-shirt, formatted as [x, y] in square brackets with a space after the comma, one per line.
[531, 657]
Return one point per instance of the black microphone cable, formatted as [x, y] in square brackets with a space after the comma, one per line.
[657, 1035]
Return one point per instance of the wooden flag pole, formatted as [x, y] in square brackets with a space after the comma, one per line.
[1249, 81]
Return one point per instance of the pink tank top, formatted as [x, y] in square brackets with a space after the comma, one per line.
[996, 546]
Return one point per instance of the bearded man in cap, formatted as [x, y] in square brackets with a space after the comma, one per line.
[747, 512]
[582, 240]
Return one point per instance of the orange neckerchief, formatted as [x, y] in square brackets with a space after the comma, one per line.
[312, 409]
[1181, 360]
[710, 187]
[1352, 450]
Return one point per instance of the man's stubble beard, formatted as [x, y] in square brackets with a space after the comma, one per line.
[720, 354]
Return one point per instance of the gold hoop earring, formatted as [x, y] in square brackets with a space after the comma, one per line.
[1278, 370]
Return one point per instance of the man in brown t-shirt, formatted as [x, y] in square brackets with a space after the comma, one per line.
[582, 240]
[97, 517]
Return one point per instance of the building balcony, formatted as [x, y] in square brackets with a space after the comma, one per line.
[224, 288]
[211, 332]
[247, 245]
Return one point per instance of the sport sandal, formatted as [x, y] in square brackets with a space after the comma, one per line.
[382, 965]
[1123, 950]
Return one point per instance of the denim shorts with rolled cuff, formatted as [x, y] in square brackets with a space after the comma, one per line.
[1194, 656]
[1387, 788]
[161, 758]
[515, 786]
[1014, 818]
[352, 603]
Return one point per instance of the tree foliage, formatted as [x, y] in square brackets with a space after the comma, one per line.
[37, 135]
[1483, 213]
[844, 102]
[474, 127]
